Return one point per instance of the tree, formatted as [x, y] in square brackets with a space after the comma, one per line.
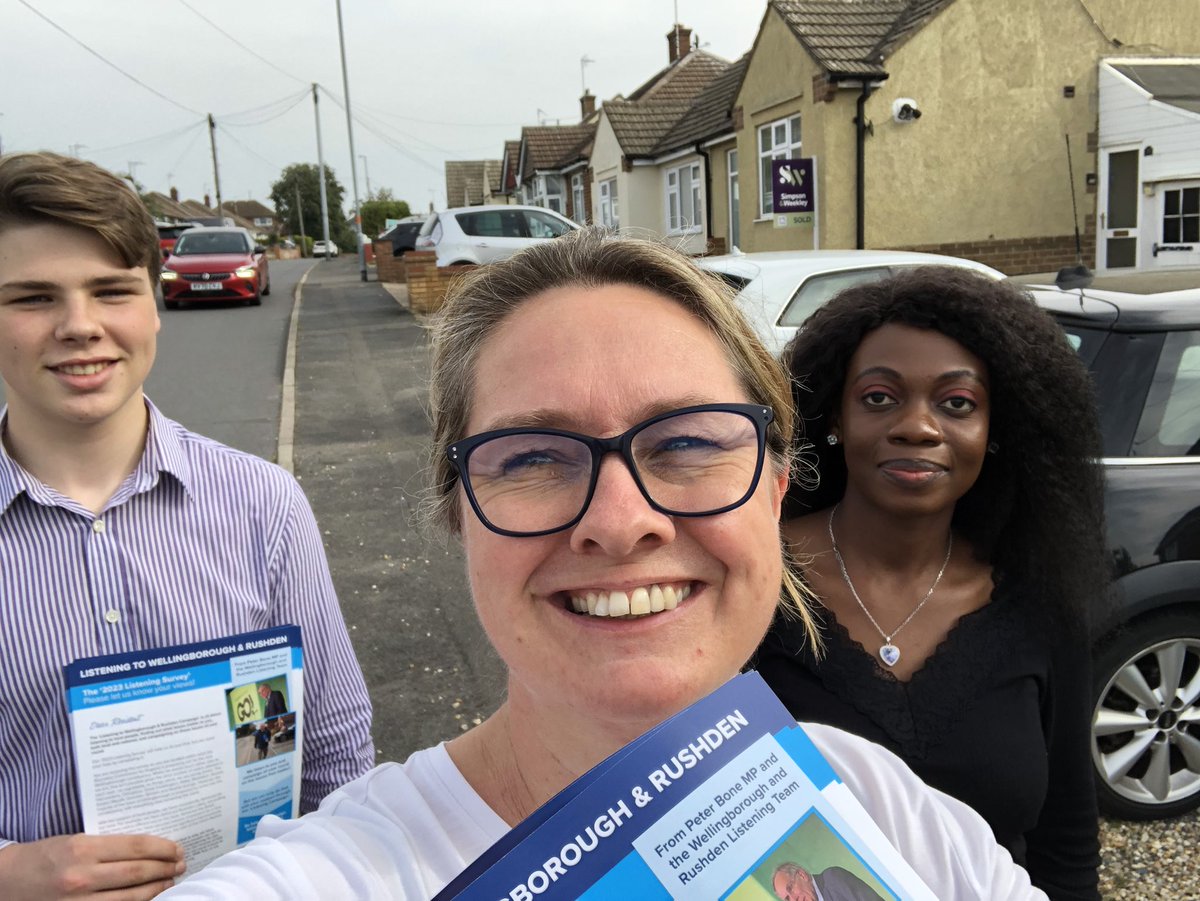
[306, 178]
[377, 211]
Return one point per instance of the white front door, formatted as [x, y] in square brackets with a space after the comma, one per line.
[1177, 242]
[1118, 236]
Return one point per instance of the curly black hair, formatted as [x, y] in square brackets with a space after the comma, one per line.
[1036, 511]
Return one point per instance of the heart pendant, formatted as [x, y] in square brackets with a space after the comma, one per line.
[889, 654]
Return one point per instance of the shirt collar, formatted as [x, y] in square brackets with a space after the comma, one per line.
[164, 453]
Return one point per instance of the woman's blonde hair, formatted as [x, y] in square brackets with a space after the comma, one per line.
[591, 258]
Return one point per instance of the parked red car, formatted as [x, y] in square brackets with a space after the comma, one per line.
[215, 264]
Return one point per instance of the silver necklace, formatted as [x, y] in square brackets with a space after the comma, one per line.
[888, 652]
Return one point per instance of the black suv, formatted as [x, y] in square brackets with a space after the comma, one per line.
[1144, 355]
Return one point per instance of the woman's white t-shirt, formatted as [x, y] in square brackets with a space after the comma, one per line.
[403, 831]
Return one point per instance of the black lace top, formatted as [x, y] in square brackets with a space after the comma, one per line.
[998, 717]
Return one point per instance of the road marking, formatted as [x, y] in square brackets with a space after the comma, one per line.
[287, 405]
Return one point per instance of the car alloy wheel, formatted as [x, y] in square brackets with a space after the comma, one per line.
[1146, 719]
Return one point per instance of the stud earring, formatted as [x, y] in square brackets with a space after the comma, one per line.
[832, 439]
[993, 447]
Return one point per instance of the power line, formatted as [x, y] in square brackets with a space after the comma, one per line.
[225, 131]
[292, 100]
[391, 142]
[173, 133]
[253, 53]
[106, 62]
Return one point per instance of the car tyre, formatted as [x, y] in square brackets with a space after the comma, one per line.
[267, 290]
[255, 301]
[1146, 718]
[171, 304]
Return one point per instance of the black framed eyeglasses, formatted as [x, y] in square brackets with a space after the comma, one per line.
[695, 461]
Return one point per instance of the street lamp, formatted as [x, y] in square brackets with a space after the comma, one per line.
[362, 253]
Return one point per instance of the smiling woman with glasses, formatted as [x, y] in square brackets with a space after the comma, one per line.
[610, 446]
[695, 461]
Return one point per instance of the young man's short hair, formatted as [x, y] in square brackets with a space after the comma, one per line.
[50, 188]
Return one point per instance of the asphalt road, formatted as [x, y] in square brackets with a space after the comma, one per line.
[219, 364]
[360, 444]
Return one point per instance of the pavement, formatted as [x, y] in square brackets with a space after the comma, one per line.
[359, 449]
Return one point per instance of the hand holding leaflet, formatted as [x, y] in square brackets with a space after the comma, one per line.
[194, 742]
[706, 805]
[142, 864]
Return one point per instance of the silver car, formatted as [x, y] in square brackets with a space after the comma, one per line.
[779, 290]
[484, 234]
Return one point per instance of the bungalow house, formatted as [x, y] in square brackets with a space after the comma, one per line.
[552, 163]
[472, 182]
[262, 218]
[966, 127]
[642, 180]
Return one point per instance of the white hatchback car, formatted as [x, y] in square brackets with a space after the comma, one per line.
[319, 249]
[779, 290]
[484, 234]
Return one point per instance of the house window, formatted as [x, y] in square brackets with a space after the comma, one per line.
[685, 209]
[735, 229]
[1181, 216]
[263, 222]
[548, 192]
[609, 214]
[778, 141]
[580, 214]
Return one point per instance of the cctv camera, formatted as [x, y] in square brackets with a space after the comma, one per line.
[905, 109]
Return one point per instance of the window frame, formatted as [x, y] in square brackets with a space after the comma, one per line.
[684, 204]
[610, 214]
[787, 148]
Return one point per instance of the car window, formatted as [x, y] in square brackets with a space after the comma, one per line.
[542, 225]
[819, 288]
[213, 242]
[1084, 341]
[1170, 423]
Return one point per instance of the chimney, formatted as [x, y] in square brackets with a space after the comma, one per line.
[587, 103]
[175, 194]
[207, 201]
[679, 42]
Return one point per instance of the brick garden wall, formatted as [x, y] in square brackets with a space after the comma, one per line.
[427, 284]
[387, 267]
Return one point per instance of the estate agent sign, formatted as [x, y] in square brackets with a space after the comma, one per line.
[794, 192]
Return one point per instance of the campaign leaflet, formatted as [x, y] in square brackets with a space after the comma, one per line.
[728, 799]
[195, 742]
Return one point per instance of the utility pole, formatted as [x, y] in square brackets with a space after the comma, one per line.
[366, 173]
[132, 165]
[362, 254]
[321, 175]
[212, 140]
[75, 148]
[300, 213]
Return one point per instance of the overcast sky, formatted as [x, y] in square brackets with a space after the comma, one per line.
[430, 81]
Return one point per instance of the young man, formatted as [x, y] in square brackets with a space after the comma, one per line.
[121, 530]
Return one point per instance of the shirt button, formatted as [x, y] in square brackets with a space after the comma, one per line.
[98, 526]
[112, 616]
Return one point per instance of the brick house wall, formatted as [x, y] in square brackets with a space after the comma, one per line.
[1019, 256]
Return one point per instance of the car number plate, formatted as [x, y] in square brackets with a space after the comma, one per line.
[207, 286]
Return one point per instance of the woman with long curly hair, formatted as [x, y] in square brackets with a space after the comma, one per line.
[954, 537]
